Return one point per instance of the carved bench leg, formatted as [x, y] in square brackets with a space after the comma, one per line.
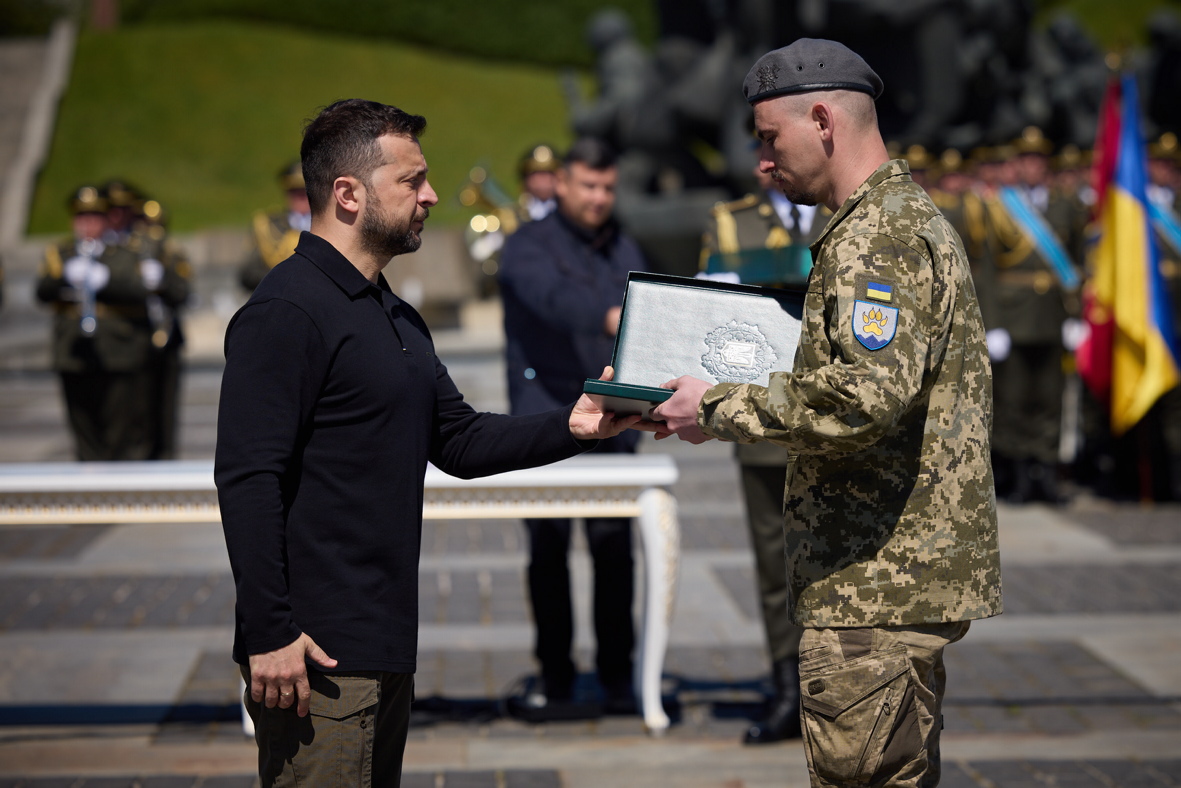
[661, 536]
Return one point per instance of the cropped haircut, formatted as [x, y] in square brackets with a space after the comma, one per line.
[858, 106]
[342, 140]
[591, 152]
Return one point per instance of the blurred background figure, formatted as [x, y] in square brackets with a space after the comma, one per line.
[539, 180]
[562, 280]
[102, 336]
[121, 200]
[762, 239]
[274, 235]
[167, 276]
[1036, 288]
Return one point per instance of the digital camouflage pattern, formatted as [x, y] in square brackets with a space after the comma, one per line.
[890, 514]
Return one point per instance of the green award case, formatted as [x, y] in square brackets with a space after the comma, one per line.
[716, 331]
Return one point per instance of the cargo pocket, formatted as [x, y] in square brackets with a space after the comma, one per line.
[342, 709]
[849, 710]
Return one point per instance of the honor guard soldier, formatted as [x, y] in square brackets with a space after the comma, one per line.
[538, 170]
[102, 336]
[166, 275]
[767, 237]
[275, 235]
[121, 200]
[1164, 196]
[1036, 289]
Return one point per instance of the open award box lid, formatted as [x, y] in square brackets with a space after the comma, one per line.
[717, 331]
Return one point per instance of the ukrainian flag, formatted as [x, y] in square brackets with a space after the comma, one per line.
[1128, 307]
[879, 292]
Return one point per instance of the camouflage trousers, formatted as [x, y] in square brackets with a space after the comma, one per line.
[871, 703]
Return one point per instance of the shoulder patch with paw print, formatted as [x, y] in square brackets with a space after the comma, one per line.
[874, 325]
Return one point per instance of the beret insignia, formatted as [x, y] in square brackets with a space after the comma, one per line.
[768, 77]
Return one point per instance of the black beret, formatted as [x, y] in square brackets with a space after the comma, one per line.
[809, 64]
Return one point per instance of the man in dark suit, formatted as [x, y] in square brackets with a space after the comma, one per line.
[562, 280]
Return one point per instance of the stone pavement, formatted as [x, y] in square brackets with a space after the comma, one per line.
[115, 642]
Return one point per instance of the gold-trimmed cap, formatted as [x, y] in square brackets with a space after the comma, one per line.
[1032, 140]
[291, 177]
[87, 199]
[539, 158]
[1070, 157]
[119, 194]
[1165, 147]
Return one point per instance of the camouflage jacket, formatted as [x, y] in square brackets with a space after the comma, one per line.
[890, 516]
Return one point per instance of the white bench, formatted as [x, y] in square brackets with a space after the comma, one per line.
[587, 486]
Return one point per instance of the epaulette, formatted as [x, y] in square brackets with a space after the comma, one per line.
[749, 201]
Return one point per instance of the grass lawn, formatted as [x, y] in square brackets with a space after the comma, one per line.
[203, 115]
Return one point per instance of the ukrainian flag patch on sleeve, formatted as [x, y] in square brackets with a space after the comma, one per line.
[879, 292]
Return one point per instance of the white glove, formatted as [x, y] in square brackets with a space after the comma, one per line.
[152, 273]
[98, 276]
[999, 344]
[1074, 333]
[720, 276]
[75, 270]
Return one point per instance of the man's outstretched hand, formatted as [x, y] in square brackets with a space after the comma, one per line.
[589, 422]
[677, 415]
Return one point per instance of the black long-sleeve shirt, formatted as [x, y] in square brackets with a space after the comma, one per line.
[332, 402]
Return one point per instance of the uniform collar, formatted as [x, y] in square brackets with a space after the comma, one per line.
[336, 266]
[893, 170]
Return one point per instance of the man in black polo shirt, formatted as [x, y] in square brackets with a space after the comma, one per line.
[332, 403]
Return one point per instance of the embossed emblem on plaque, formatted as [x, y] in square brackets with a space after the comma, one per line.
[738, 353]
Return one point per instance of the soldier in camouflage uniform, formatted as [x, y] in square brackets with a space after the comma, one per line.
[890, 518]
[275, 235]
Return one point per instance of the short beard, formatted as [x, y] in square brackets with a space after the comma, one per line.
[383, 241]
[799, 198]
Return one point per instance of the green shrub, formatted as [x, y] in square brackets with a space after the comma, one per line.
[536, 31]
[203, 115]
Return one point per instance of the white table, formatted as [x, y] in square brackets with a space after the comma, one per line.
[618, 485]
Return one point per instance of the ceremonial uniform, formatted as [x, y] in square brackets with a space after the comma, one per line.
[167, 274]
[890, 520]
[1164, 420]
[1031, 304]
[751, 223]
[102, 343]
[274, 236]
